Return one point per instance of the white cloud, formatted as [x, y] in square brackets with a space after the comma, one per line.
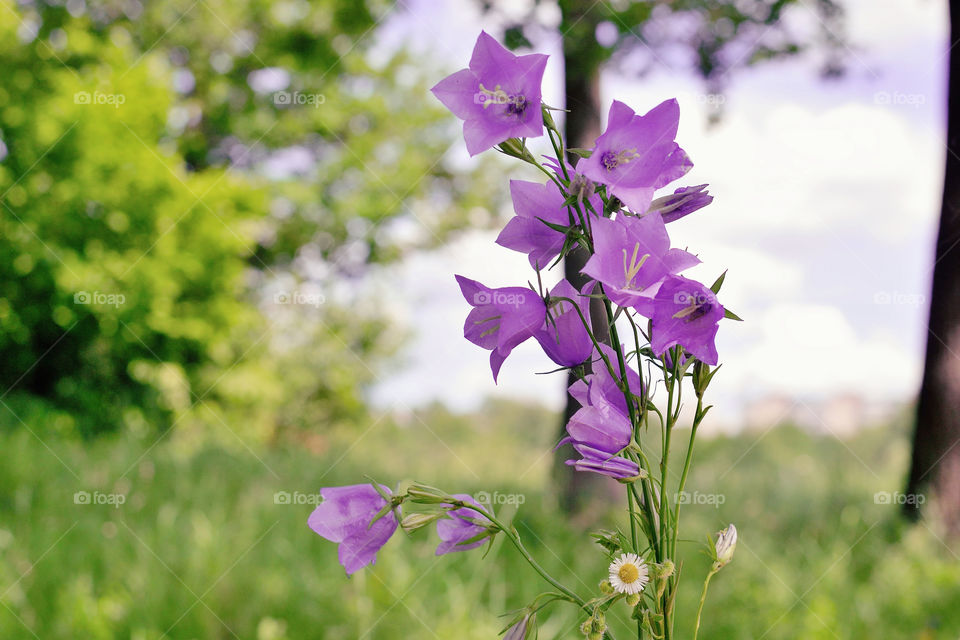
[813, 350]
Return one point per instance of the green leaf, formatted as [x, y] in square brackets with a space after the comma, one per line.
[715, 287]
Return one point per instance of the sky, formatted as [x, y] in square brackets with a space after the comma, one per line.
[826, 202]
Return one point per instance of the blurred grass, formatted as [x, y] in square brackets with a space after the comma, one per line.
[200, 549]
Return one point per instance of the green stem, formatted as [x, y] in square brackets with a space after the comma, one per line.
[633, 523]
[686, 468]
[514, 537]
[631, 408]
[703, 598]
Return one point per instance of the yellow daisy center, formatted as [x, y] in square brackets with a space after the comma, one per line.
[628, 573]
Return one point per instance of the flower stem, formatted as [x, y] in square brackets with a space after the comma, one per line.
[703, 598]
[514, 536]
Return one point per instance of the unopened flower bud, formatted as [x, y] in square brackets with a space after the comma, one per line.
[426, 495]
[633, 599]
[548, 118]
[416, 521]
[725, 546]
[523, 628]
[598, 622]
[606, 587]
[666, 568]
[683, 201]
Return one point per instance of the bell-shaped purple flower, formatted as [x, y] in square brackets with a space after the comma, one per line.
[526, 232]
[501, 318]
[601, 428]
[497, 97]
[681, 202]
[687, 313]
[636, 155]
[461, 525]
[344, 517]
[563, 336]
[632, 256]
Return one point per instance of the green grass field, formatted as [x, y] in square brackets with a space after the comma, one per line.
[201, 549]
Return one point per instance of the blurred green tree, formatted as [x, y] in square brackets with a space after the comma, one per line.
[180, 184]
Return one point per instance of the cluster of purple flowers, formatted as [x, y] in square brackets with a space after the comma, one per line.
[361, 519]
[607, 205]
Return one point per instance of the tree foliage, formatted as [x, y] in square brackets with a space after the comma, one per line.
[156, 197]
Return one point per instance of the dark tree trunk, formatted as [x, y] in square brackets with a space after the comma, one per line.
[936, 441]
[581, 58]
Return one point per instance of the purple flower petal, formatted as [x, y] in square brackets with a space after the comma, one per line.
[344, 517]
[637, 154]
[501, 318]
[686, 313]
[497, 97]
[565, 339]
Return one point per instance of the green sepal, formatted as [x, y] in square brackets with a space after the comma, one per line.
[387, 508]
[730, 315]
[715, 287]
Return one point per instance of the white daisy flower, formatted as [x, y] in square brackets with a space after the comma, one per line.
[628, 574]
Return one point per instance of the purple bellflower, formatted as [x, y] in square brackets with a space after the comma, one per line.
[526, 232]
[600, 388]
[681, 202]
[563, 336]
[687, 313]
[632, 256]
[497, 96]
[601, 428]
[461, 525]
[344, 517]
[501, 318]
[636, 155]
